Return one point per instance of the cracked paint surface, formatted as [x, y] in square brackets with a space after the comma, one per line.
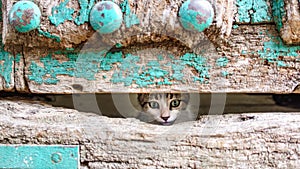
[275, 48]
[278, 12]
[62, 13]
[253, 11]
[127, 69]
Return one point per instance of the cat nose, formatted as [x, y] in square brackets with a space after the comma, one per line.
[165, 118]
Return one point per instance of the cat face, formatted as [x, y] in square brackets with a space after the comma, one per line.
[164, 108]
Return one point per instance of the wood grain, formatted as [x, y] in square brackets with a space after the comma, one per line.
[217, 141]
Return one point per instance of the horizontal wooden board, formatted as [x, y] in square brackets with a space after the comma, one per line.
[248, 56]
[223, 141]
[65, 24]
[254, 59]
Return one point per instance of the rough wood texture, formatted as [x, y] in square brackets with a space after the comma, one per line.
[252, 60]
[154, 17]
[268, 140]
[153, 53]
[290, 26]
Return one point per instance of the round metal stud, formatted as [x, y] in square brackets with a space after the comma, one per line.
[106, 17]
[56, 157]
[196, 15]
[25, 16]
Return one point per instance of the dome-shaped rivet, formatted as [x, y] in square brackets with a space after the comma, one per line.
[196, 15]
[25, 16]
[106, 17]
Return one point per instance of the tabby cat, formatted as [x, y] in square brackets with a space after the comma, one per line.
[164, 108]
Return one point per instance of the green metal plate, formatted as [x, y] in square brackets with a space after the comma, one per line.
[39, 156]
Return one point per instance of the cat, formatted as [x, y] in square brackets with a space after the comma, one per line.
[164, 108]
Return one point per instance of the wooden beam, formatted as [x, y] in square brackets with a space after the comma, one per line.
[224, 141]
[237, 53]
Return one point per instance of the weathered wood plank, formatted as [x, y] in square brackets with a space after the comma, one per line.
[254, 59]
[67, 24]
[268, 140]
[287, 18]
[154, 54]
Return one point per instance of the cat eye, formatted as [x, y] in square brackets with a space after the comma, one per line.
[175, 103]
[154, 105]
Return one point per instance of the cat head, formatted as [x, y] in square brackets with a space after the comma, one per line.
[164, 107]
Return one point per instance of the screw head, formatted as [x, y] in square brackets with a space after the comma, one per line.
[25, 16]
[106, 17]
[56, 157]
[196, 15]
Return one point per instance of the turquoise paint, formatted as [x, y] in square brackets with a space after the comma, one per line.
[160, 58]
[106, 17]
[244, 52]
[281, 63]
[278, 12]
[1, 11]
[261, 12]
[130, 18]
[48, 73]
[196, 15]
[244, 6]
[61, 13]
[6, 68]
[24, 16]
[119, 45]
[235, 26]
[125, 7]
[224, 73]
[85, 8]
[275, 48]
[177, 69]
[34, 156]
[49, 35]
[128, 72]
[254, 11]
[18, 58]
[221, 62]
[199, 64]
[155, 71]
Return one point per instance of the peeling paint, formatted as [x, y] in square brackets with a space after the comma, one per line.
[85, 8]
[221, 62]
[129, 69]
[261, 12]
[48, 35]
[275, 48]
[278, 12]
[130, 18]
[224, 73]
[253, 11]
[6, 67]
[61, 13]
[235, 26]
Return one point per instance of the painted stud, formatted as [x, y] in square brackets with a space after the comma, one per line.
[106, 17]
[196, 15]
[25, 16]
[56, 157]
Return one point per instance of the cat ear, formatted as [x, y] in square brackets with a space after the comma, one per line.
[142, 97]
